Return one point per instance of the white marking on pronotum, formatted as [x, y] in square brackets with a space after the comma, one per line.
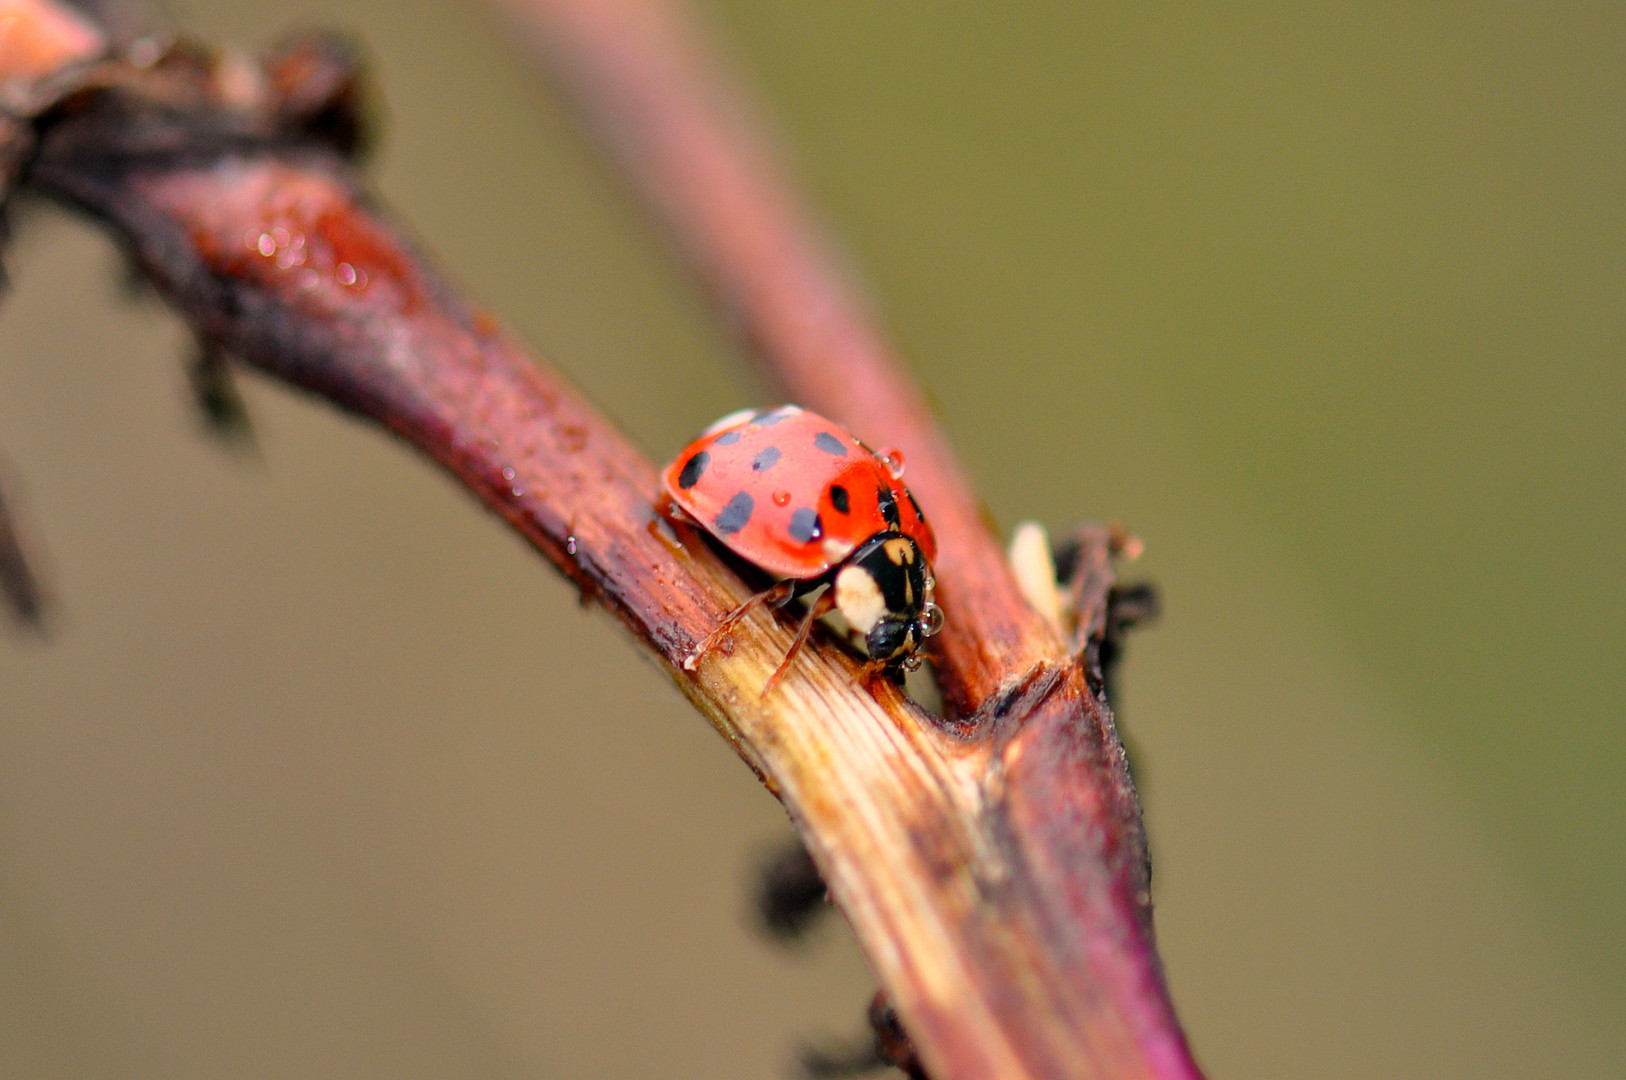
[859, 599]
[731, 420]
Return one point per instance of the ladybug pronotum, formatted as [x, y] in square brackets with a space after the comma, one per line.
[800, 497]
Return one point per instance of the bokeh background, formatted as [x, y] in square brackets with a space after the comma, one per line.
[322, 773]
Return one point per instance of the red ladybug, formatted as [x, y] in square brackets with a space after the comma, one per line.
[802, 498]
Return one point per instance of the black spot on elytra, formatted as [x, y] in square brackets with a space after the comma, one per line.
[805, 526]
[889, 507]
[770, 419]
[692, 470]
[838, 498]
[829, 444]
[918, 512]
[727, 438]
[766, 458]
[733, 517]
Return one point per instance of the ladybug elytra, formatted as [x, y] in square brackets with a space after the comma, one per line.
[803, 499]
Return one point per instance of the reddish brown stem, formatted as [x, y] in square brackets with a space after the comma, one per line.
[1058, 781]
[994, 871]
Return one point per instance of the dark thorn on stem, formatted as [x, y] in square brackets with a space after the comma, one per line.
[887, 1045]
[1129, 607]
[892, 1043]
[790, 894]
[219, 402]
[322, 91]
[24, 594]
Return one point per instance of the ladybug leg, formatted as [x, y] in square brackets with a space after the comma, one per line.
[666, 520]
[776, 596]
[668, 508]
[817, 608]
[872, 670]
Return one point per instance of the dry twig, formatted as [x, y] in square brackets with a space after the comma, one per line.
[993, 864]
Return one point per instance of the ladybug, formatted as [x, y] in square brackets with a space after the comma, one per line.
[804, 500]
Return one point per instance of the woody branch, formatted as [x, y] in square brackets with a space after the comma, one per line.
[991, 865]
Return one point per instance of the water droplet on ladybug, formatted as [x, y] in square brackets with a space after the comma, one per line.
[892, 458]
[781, 498]
[570, 545]
[931, 619]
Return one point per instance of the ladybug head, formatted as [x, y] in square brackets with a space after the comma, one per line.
[884, 591]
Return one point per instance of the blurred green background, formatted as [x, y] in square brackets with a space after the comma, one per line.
[322, 773]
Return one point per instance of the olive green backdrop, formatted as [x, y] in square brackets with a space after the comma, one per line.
[323, 774]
